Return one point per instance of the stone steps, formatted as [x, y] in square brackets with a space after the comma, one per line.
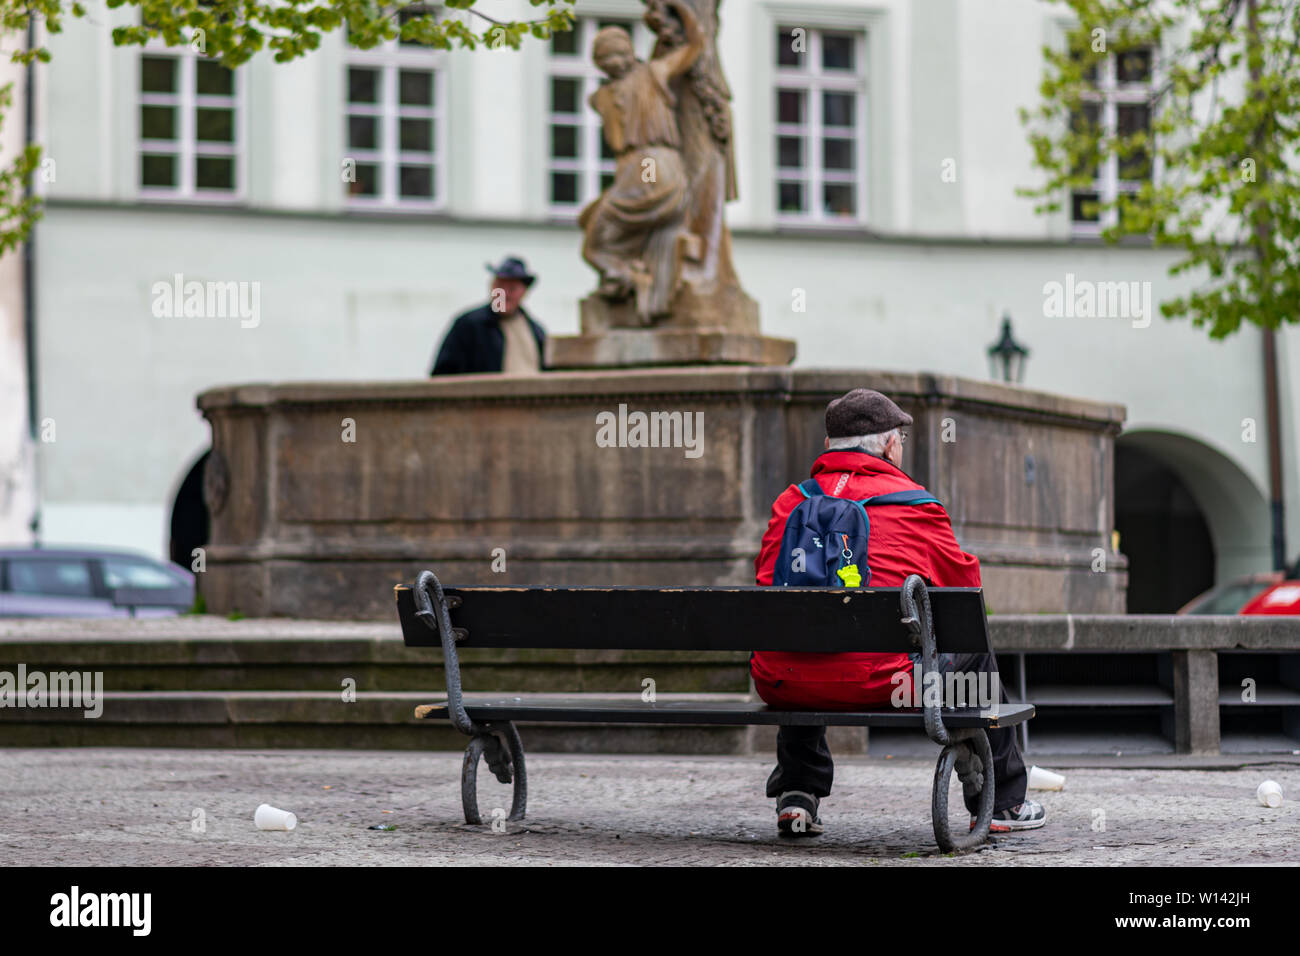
[209, 682]
[323, 720]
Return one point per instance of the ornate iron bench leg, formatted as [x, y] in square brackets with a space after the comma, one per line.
[507, 763]
[971, 756]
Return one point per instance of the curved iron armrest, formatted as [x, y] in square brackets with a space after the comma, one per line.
[504, 756]
[965, 750]
[431, 608]
[922, 627]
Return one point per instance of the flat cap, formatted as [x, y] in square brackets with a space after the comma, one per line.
[863, 412]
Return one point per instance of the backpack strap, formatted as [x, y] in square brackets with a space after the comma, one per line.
[916, 496]
[810, 488]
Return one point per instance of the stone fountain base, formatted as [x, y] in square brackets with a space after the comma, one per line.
[637, 477]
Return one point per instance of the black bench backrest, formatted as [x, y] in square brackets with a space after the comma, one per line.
[713, 619]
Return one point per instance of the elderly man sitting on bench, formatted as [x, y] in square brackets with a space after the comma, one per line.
[812, 540]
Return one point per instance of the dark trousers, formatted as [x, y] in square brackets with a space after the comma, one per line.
[803, 761]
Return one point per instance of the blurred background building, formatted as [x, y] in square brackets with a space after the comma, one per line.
[363, 191]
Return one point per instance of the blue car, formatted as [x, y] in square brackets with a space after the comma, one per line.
[70, 582]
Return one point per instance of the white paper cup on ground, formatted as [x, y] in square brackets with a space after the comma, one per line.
[1040, 779]
[268, 817]
[1269, 793]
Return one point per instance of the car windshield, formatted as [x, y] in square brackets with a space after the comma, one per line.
[1230, 600]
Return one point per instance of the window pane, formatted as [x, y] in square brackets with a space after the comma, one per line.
[785, 47]
[158, 169]
[157, 122]
[214, 172]
[606, 151]
[363, 132]
[565, 42]
[564, 94]
[789, 197]
[214, 126]
[158, 74]
[213, 79]
[789, 151]
[136, 574]
[564, 142]
[415, 88]
[606, 180]
[1133, 66]
[837, 199]
[416, 182]
[789, 106]
[416, 135]
[404, 17]
[564, 187]
[837, 109]
[1088, 62]
[837, 153]
[1134, 118]
[1087, 119]
[1086, 122]
[367, 181]
[67, 578]
[1083, 207]
[837, 51]
[363, 85]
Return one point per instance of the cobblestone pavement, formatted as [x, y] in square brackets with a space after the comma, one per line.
[181, 807]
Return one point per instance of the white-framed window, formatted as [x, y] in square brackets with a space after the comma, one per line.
[394, 125]
[579, 161]
[1118, 104]
[819, 105]
[191, 126]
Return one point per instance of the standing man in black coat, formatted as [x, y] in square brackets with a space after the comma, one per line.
[499, 336]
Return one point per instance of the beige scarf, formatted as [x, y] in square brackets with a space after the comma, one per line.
[521, 356]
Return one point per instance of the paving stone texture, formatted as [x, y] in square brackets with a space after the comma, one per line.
[135, 806]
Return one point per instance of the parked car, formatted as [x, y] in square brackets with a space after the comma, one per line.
[72, 582]
[1232, 596]
[1281, 598]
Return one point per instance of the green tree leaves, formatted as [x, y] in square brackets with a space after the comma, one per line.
[1224, 110]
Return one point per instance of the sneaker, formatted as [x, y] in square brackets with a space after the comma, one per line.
[796, 814]
[1025, 816]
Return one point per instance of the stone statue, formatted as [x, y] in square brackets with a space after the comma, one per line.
[659, 225]
[668, 293]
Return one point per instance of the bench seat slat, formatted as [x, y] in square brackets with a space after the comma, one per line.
[623, 711]
[819, 620]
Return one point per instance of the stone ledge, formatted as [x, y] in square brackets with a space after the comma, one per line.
[1138, 633]
[815, 385]
[289, 639]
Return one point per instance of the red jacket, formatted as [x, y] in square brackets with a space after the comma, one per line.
[904, 539]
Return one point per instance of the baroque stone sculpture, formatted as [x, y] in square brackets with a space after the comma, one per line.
[657, 235]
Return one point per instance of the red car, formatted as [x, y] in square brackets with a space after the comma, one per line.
[1283, 598]
[1231, 597]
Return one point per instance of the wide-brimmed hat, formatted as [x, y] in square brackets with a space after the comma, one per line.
[512, 267]
[863, 412]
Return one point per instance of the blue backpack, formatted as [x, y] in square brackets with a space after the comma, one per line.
[825, 539]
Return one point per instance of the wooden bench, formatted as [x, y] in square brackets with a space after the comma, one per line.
[909, 619]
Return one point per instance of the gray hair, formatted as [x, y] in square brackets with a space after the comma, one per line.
[871, 444]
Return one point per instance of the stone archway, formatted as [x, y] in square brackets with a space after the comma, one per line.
[1188, 516]
[190, 522]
